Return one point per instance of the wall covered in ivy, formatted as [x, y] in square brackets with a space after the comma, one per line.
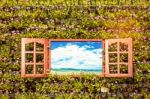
[87, 19]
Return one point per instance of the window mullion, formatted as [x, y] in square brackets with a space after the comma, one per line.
[118, 58]
[44, 69]
[34, 60]
[106, 58]
[23, 58]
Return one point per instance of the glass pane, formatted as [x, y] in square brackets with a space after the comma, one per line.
[39, 69]
[112, 57]
[112, 47]
[29, 69]
[39, 58]
[123, 69]
[39, 47]
[75, 57]
[123, 46]
[124, 57]
[29, 46]
[113, 68]
[29, 57]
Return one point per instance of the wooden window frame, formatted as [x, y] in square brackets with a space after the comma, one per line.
[47, 56]
[128, 41]
[34, 52]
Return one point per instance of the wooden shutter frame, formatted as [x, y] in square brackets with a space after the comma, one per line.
[130, 57]
[23, 56]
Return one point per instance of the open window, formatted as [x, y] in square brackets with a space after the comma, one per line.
[76, 56]
[118, 58]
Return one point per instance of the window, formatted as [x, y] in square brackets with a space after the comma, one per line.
[76, 56]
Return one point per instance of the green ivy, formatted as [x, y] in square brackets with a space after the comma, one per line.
[70, 19]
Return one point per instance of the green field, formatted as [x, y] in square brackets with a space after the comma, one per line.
[72, 72]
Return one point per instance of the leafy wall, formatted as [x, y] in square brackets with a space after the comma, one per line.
[69, 19]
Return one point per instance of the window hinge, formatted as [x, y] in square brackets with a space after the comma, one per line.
[48, 47]
[47, 71]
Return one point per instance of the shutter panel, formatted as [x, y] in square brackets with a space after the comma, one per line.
[34, 57]
[118, 58]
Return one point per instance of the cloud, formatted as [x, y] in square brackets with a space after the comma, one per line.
[76, 57]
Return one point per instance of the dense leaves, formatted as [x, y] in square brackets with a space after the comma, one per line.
[68, 19]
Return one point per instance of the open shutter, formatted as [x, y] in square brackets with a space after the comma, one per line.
[34, 57]
[118, 58]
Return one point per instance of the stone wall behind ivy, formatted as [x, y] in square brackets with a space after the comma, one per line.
[67, 19]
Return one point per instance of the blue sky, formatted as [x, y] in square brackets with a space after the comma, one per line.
[76, 55]
[95, 45]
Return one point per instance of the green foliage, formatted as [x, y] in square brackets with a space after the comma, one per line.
[69, 19]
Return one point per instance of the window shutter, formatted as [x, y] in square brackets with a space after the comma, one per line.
[118, 58]
[34, 58]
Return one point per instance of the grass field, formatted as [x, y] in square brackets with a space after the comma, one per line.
[74, 72]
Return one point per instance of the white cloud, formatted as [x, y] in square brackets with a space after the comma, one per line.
[74, 56]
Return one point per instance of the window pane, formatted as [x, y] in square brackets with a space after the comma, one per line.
[39, 47]
[29, 57]
[29, 69]
[124, 57]
[123, 46]
[112, 57]
[39, 58]
[123, 69]
[29, 47]
[39, 69]
[113, 68]
[112, 47]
